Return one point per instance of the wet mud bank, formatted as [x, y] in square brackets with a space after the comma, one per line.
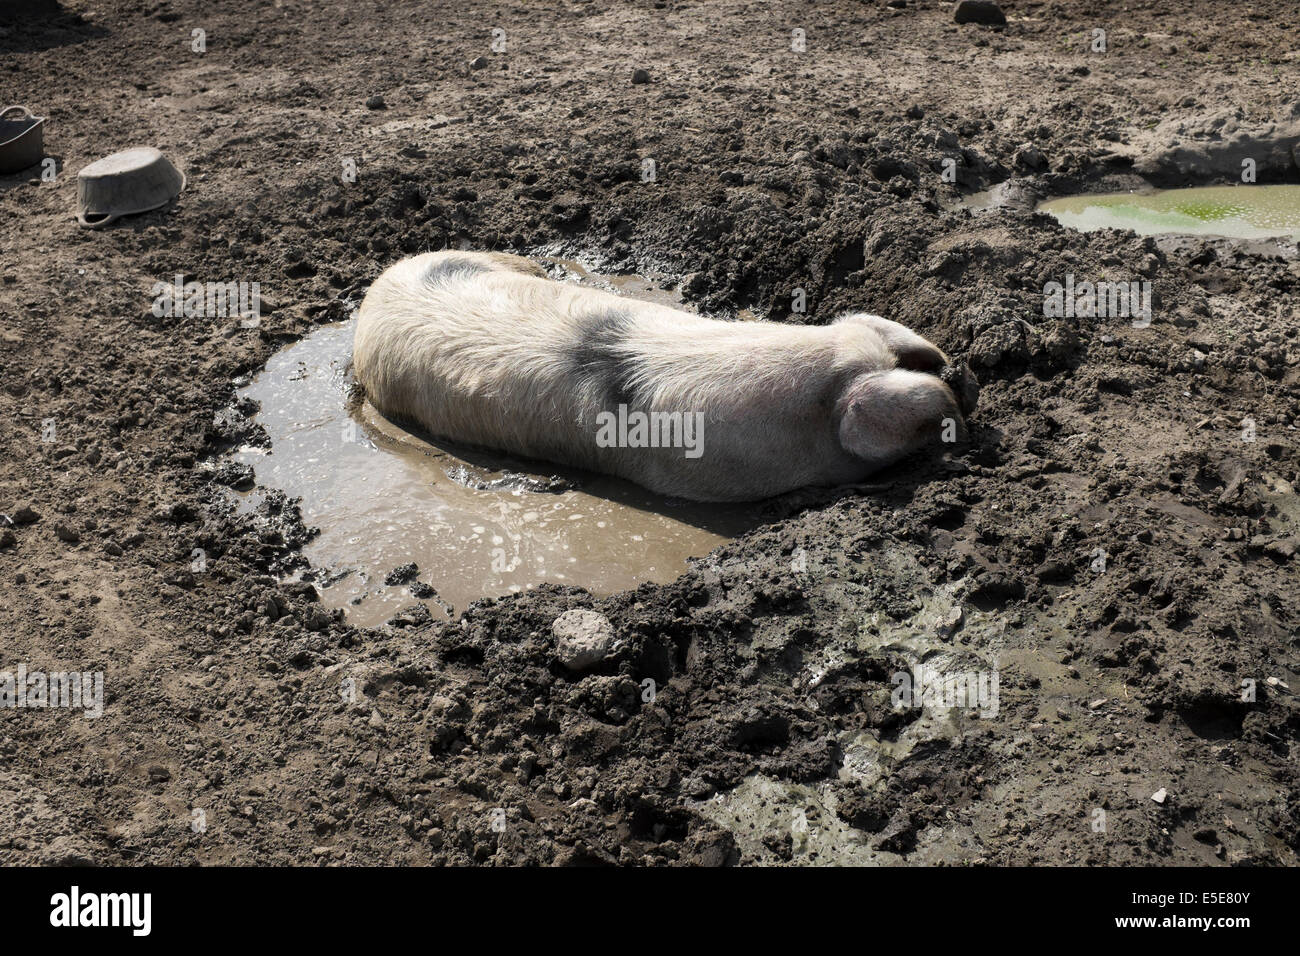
[1116, 543]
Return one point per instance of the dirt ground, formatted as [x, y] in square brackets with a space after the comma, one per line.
[1110, 541]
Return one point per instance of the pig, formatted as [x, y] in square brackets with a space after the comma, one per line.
[483, 349]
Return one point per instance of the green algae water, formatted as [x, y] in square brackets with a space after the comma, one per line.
[1238, 212]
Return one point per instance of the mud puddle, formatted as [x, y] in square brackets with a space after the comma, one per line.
[385, 498]
[1236, 212]
[664, 291]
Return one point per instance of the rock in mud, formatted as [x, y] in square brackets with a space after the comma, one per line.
[316, 618]
[413, 615]
[1028, 157]
[235, 475]
[25, 514]
[898, 836]
[583, 638]
[999, 344]
[403, 574]
[980, 11]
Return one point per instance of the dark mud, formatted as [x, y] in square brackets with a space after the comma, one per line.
[1117, 540]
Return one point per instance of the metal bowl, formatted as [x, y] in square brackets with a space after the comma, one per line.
[132, 181]
[22, 139]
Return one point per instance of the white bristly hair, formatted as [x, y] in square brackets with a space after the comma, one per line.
[485, 350]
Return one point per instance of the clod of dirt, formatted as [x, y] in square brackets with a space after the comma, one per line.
[583, 638]
[25, 514]
[980, 11]
[404, 574]
[413, 615]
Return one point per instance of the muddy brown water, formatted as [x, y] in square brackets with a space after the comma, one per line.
[474, 524]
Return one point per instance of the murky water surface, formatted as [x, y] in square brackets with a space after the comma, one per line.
[1240, 212]
[474, 524]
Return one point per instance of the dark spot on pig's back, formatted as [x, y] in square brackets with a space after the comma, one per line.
[600, 359]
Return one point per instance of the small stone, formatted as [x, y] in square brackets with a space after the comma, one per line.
[376, 102]
[66, 533]
[979, 11]
[1280, 549]
[413, 615]
[7, 539]
[478, 63]
[583, 638]
[25, 514]
[1028, 156]
[316, 618]
[640, 76]
[1160, 795]
[403, 574]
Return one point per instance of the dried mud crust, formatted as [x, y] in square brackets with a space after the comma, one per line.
[228, 692]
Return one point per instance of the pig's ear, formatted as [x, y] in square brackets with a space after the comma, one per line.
[885, 416]
[911, 351]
